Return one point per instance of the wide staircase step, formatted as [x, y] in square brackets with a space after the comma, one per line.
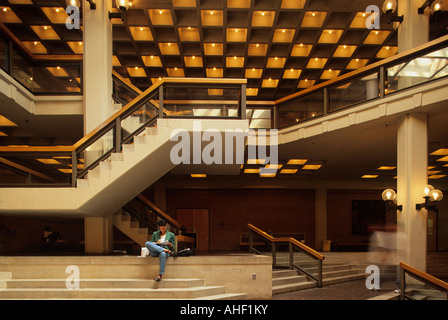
[115, 278]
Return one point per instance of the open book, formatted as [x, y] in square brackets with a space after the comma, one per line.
[164, 243]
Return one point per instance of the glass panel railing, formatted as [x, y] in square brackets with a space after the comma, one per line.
[259, 118]
[141, 118]
[417, 71]
[354, 91]
[42, 77]
[203, 101]
[123, 93]
[306, 107]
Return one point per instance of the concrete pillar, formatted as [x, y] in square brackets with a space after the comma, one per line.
[414, 30]
[98, 235]
[97, 72]
[321, 217]
[412, 168]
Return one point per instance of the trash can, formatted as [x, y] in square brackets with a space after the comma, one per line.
[326, 245]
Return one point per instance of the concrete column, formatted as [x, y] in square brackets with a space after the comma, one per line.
[412, 168]
[414, 30]
[98, 235]
[321, 217]
[97, 71]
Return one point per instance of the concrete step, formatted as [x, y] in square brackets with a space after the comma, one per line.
[114, 293]
[105, 283]
[293, 287]
[226, 296]
[288, 280]
[341, 279]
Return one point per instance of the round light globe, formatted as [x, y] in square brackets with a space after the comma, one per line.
[389, 195]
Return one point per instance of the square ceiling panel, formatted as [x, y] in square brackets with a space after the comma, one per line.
[254, 39]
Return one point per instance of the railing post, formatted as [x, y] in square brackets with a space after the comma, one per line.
[251, 240]
[326, 102]
[243, 102]
[275, 117]
[161, 101]
[117, 135]
[291, 255]
[274, 255]
[402, 284]
[74, 168]
[382, 82]
[319, 270]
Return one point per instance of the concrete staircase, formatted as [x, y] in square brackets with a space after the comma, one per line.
[131, 228]
[123, 277]
[183, 289]
[285, 280]
[116, 180]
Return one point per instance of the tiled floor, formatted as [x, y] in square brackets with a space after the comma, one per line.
[352, 290]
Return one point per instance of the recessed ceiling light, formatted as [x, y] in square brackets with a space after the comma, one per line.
[440, 152]
[289, 171]
[312, 167]
[387, 168]
[369, 176]
[48, 161]
[297, 161]
[252, 171]
[199, 176]
[256, 161]
[437, 176]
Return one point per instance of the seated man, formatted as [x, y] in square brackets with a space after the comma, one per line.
[162, 246]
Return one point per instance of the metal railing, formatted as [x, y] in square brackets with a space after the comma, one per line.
[293, 245]
[121, 128]
[40, 75]
[375, 81]
[419, 275]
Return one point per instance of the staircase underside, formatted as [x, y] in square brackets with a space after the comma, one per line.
[116, 180]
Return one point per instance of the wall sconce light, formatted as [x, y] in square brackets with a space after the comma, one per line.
[432, 198]
[389, 7]
[92, 4]
[390, 196]
[435, 6]
[75, 3]
[123, 6]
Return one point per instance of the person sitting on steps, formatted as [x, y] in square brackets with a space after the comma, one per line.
[162, 246]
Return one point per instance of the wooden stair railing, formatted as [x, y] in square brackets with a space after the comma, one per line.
[293, 244]
[421, 276]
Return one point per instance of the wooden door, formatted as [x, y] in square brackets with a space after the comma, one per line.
[199, 220]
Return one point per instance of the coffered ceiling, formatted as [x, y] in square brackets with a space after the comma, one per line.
[280, 46]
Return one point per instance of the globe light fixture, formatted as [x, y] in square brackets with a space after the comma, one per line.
[432, 198]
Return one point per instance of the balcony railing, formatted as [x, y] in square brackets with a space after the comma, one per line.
[48, 75]
[376, 81]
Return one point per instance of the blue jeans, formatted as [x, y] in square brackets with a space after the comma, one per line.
[157, 251]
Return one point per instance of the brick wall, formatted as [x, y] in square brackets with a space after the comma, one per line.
[276, 210]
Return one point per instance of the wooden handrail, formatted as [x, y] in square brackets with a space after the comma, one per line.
[160, 212]
[427, 47]
[27, 170]
[293, 241]
[425, 276]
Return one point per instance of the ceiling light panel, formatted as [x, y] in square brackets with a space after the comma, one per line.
[160, 17]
